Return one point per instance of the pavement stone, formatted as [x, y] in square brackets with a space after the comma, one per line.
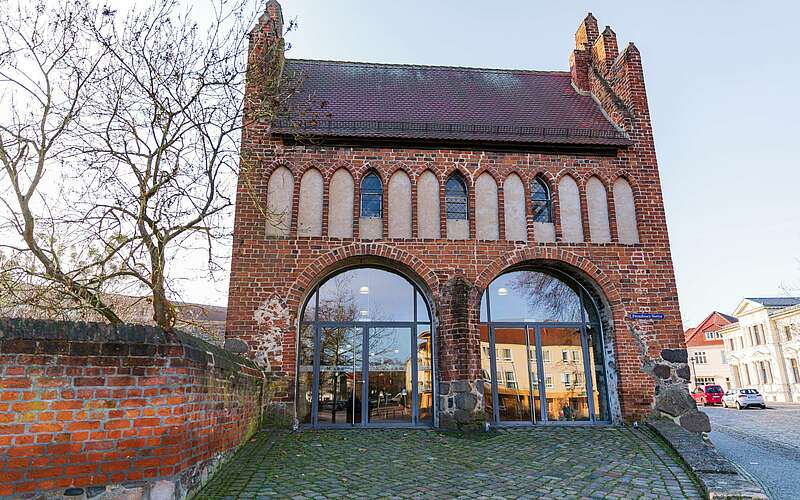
[552, 462]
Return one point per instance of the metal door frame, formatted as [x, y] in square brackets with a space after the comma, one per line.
[536, 327]
[364, 326]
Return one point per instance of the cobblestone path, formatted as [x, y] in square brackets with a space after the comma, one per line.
[554, 462]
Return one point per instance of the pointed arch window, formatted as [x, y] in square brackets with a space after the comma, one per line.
[372, 196]
[455, 196]
[541, 201]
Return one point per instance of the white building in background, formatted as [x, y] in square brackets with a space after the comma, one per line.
[763, 348]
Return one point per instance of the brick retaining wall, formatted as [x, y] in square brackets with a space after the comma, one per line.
[91, 405]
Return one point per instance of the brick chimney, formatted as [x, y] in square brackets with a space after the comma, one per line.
[605, 50]
[266, 60]
[579, 60]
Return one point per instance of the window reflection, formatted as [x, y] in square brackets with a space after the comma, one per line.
[566, 391]
[548, 359]
[305, 376]
[425, 373]
[366, 294]
[513, 382]
[373, 349]
[529, 296]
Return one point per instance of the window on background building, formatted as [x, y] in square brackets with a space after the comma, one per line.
[795, 370]
[507, 354]
[762, 372]
[722, 357]
[747, 374]
[546, 356]
[565, 356]
[511, 380]
[575, 356]
[565, 378]
[541, 201]
[705, 380]
[371, 197]
[486, 351]
[768, 365]
[700, 358]
[787, 332]
[709, 335]
[548, 382]
[455, 196]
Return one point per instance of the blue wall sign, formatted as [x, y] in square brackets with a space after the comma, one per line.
[646, 316]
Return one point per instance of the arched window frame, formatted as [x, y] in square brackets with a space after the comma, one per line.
[590, 319]
[371, 196]
[456, 198]
[422, 320]
[541, 201]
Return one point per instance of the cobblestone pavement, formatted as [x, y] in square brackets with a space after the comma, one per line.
[765, 443]
[553, 462]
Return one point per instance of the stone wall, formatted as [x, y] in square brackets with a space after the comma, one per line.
[101, 410]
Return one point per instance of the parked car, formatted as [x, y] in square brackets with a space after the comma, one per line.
[743, 398]
[708, 394]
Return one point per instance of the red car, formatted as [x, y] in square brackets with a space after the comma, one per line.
[708, 395]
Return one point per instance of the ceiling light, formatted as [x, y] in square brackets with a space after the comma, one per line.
[364, 313]
[364, 290]
[502, 292]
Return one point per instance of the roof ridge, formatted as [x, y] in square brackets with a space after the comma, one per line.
[432, 66]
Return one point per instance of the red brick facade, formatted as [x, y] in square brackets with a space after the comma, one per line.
[90, 405]
[628, 278]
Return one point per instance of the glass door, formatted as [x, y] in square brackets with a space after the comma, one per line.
[391, 371]
[563, 352]
[341, 380]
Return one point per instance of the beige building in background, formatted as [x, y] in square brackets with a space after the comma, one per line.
[763, 348]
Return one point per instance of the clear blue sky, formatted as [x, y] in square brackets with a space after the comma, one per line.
[722, 81]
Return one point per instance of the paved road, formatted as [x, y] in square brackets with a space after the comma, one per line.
[555, 463]
[766, 443]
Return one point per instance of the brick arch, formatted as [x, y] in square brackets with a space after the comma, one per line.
[465, 176]
[412, 267]
[568, 172]
[359, 176]
[522, 255]
[624, 174]
[489, 169]
[328, 172]
[402, 166]
[548, 177]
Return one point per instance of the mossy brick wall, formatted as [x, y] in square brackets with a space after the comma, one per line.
[85, 404]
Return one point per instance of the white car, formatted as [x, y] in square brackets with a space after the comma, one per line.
[743, 398]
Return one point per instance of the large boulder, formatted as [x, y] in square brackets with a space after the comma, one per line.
[675, 401]
[695, 422]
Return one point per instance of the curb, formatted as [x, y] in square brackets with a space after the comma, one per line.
[719, 477]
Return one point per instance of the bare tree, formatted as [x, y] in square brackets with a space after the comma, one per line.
[47, 68]
[148, 131]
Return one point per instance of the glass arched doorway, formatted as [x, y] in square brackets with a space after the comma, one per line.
[365, 352]
[541, 350]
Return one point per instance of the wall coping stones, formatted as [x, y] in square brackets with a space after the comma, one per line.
[718, 476]
[51, 337]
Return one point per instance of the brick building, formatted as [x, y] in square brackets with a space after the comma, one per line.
[425, 245]
[707, 359]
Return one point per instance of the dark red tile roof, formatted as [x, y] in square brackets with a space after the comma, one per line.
[349, 99]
